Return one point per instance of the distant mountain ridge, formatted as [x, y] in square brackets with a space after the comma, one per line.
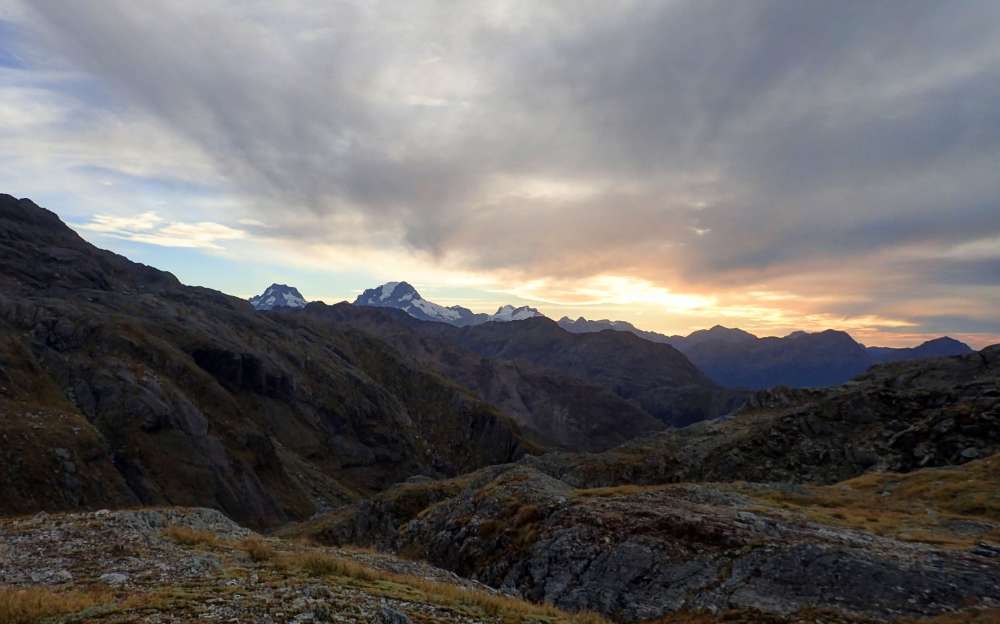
[403, 296]
[584, 326]
[738, 359]
[943, 346]
[731, 357]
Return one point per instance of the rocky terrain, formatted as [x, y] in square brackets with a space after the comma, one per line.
[696, 547]
[362, 427]
[882, 548]
[896, 417]
[733, 513]
[177, 565]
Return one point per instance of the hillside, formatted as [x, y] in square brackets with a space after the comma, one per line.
[559, 409]
[607, 377]
[121, 386]
[656, 377]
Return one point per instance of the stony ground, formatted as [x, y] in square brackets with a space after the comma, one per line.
[180, 565]
[194, 565]
[881, 547]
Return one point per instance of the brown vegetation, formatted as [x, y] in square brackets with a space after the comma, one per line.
[190, 537]
[27, 605]
[920, 506]
[508, 609]
[258, 549]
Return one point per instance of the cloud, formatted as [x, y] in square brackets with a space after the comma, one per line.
[697, 149]
[150, 228]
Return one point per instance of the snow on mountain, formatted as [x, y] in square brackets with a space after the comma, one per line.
[510, 313]
[403, 296]
[278, 296]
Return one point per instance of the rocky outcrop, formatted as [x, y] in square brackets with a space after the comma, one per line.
[721, 515]
[635, 554]
[194, 565]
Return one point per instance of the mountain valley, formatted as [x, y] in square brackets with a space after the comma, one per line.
[402, 469]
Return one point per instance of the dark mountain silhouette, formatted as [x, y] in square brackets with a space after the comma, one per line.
[932, 348]
[735, 358]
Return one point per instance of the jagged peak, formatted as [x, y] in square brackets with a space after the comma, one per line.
[278, 296]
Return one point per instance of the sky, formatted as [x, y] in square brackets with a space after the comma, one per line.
[678, 164]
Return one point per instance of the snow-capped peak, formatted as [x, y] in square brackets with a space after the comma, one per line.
[278, 296]
[402, 296]
[510, 313]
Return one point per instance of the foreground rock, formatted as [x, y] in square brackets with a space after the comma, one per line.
[880, 547]
[177, 565]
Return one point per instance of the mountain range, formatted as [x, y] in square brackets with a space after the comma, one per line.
[597, 472]
[735, 358]
[730, 357]
[122, 386]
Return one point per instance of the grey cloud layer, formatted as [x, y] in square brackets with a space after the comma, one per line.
[714, 142]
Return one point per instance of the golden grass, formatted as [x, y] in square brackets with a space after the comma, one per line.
[28, 605]
[508, 609]
[616, 490]
[323, 564]
[258, 549]
[187, 536]
[921, 506]
[974, 616]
